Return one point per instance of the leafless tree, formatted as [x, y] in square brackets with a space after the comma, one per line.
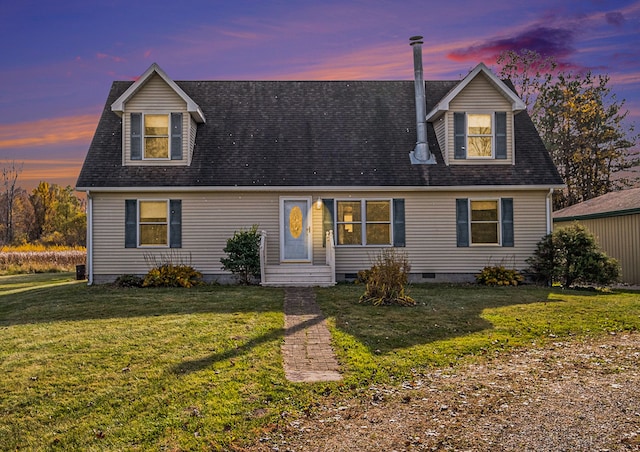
[10, 172]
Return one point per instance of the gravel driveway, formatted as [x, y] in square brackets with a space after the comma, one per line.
[571, 395]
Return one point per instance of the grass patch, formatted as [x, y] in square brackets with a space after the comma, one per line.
[101, 368]
[454, 323]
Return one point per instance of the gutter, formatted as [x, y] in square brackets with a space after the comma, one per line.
[89, 238]
[550, 211]
[592, 216]
[314, 188]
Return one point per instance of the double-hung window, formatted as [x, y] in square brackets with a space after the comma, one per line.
[364, 222]
[153, 223]
[156, 136]
[480, 135]
[484, 222]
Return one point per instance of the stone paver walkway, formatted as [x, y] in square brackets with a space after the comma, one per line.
[308, 356]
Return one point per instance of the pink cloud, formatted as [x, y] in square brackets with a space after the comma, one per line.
[114, 58]
[63, 130]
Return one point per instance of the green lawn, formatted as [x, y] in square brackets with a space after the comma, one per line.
[100, 368]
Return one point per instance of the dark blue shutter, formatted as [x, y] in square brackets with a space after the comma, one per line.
[327, 220]
[501, 135]
[176, 136]
[175, 223]
[131, 223]
[398, 223]
[460, 135]
[462, 222]
[507, 222]
[136, 136]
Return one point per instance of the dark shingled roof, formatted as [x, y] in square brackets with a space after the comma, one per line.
[309, 133]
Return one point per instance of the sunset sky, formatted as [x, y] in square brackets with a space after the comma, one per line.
[59, 58]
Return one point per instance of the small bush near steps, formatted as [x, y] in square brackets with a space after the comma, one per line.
[243, 255]
[386, 280]
[499, 275]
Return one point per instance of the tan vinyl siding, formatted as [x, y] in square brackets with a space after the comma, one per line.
[619, 237]
[440, 127]
[209, 219]
[479, 96]
[431, 234]
[156, 97]
[193, 127]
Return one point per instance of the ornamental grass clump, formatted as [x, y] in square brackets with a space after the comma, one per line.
[386, 280]
[171, 269]
[169, 275]
[499, 275]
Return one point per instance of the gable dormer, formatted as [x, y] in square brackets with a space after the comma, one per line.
[474, 121]
[159, 121]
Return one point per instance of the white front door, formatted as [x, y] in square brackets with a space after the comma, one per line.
[295, 229]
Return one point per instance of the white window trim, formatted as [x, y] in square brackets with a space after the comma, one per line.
[498, 202]
[363, 222]
[138, 223]
[144, 135]
[492, 116]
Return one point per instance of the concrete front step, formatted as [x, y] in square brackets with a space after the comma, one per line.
[298, 275]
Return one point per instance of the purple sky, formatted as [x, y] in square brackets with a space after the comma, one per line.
[59, 58]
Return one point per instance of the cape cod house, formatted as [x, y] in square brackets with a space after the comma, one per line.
[454, 172]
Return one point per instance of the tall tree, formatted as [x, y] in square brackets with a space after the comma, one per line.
[42, 199]
[528, 71]
[580, 121]
[10, 172]
[59, 216]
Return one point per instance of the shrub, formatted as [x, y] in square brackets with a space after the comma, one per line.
[386, 279]
[499, 275]
[169, 275]
[129, 281]
[243, 251]
[571, 255]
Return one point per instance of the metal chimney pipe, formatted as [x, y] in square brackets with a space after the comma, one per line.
[421, 153]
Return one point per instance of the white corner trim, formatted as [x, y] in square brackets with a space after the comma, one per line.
[192, 107]
[517, 104]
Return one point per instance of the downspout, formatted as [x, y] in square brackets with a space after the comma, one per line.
[421, 153]
[89, 238]
[550, 211]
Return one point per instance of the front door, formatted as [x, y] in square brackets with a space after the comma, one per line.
[295, 229]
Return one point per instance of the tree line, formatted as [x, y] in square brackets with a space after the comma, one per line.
[48, 215]
[582, 123]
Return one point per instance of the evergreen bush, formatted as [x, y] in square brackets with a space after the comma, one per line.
[243, 251]
[572, 256]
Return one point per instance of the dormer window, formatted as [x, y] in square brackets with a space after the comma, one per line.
[480, 135]
[156, 136]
